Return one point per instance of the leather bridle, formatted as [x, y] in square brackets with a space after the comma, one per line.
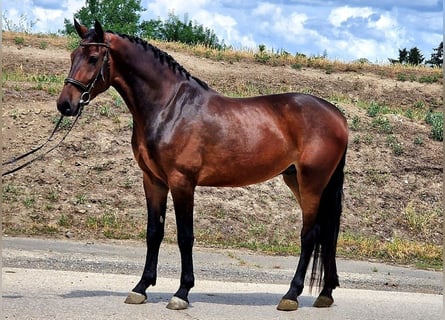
[85, 97]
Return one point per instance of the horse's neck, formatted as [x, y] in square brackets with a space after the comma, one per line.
[145, 84]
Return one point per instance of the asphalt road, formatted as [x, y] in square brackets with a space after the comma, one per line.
[65, 279]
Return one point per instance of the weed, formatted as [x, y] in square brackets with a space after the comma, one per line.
[20, 41]
[419, 105]
[402, 77]
[395, 145]
[355, 125]
[428, 79]
[15, 114]
[28, 202]
[65, 124]
[262, 57]
[376, 177]
[65, 221]
[356, 139]
[374, 109]
[80, 199]
[43, 45]
[435, 119]
[53, 196]
[105, 110]
[382, 125]
[45, 229]
[420, 222]
[329, 69]
[257, 230]
[117, 99]
[10, 192]
[418, 141]
[368, 138]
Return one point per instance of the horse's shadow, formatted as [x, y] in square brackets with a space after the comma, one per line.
[248, 299]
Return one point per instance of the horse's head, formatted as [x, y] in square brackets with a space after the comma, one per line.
[89, 74]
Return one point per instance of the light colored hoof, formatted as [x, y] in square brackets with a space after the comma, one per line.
[135, 298]
[323, 302]
[287, 305]
[177, 304]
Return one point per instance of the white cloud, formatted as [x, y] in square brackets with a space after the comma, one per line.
[225, 27]
[46, 17]
[293, 24]
[162, 7]
[340, 15]
[283, 24]
[265, 8]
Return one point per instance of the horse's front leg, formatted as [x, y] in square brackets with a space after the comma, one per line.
[183, 197]
[156, 195]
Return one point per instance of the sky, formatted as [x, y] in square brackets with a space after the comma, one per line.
[343, 30]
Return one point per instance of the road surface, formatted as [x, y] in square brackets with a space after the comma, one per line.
[65, 279]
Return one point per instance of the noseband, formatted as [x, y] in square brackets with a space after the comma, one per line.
[86, 96]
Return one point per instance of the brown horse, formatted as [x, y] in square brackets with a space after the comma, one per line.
[186, 135]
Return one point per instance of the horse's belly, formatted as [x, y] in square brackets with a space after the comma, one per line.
[237, 174]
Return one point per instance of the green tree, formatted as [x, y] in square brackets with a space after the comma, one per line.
[415, 57]
[118, 15]
[175, 29]
[152, 29]
[403, 56]
[437, 56]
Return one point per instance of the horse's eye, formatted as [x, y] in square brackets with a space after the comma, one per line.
[93, 59]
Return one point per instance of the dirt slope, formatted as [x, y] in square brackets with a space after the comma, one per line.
[91, 187]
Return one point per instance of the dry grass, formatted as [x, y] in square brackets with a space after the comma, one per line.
[398, 250]
[397, 71]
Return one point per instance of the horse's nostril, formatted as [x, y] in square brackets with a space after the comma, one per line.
[64, 108]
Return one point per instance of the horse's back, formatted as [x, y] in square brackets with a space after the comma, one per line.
[291, 111]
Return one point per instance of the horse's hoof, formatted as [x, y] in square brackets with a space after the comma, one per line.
[177, 304]
[287, 305]
[135, 298]
[323, 302]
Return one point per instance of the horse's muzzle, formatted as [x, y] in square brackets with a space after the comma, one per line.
[67, 109]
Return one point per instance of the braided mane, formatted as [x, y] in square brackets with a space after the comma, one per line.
[163, 57]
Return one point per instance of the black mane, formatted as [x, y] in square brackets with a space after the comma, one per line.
[163, 57]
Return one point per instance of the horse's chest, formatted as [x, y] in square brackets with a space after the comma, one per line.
[147, 157]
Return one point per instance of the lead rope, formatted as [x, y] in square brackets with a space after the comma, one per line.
[85, 99]
[15, 159]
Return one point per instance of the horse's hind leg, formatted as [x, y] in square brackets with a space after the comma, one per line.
[156, 196]
[330, 211]
[289, 301]
[307, 186]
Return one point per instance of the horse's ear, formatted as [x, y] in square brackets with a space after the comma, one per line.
[99, 31]
[81, 30]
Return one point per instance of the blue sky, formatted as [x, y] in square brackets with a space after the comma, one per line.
[345, 30]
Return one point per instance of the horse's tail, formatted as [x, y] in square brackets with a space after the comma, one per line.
[328, 222]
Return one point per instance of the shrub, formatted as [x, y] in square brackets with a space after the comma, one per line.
[435, 119]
